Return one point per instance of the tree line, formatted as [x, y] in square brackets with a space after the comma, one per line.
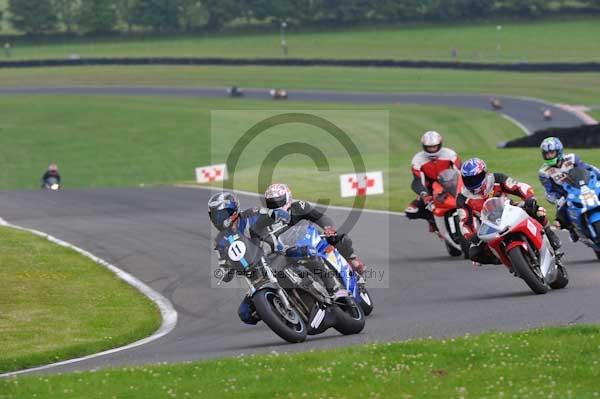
[104, 16]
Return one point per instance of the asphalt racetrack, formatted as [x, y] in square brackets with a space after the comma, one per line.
[163, 236]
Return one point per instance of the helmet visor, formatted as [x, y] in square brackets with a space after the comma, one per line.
[218, 217]
[276, 202]
[432, 149]
[474, 182]
[550, 155]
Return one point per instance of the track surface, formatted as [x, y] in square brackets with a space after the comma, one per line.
[526, 111]
[162, 236]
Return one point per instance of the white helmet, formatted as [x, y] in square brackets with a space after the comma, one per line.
[278, 196]
[432, 144]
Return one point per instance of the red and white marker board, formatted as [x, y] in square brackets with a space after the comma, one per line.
[211, 173]
[361, 184]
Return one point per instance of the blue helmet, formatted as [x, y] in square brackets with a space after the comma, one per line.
[552, 151]
[223, 209]
[474, 173]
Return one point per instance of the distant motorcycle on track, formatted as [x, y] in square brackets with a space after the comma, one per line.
[51, 183]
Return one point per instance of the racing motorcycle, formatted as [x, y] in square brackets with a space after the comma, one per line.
[517, 240]
[445, 190]
[51, 183]
[235, 91]
[278, 94]
[583, 206]
[290, 298]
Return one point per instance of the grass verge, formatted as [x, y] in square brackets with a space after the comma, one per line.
[127, 141]
[56, 304]
[573, 88]
[552, 362]
[531, 41]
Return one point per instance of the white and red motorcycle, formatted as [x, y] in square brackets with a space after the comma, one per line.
[518, 241]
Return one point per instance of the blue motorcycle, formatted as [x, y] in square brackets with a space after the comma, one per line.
[583, 205]
[289, 296]
[304, 237]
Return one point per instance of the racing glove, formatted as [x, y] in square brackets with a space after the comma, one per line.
[330, 231]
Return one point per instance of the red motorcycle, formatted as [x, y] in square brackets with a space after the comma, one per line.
[445, 191]
[518, 241]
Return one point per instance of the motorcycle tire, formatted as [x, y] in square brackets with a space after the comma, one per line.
[366, 301]
[562, 279]
[523, 269]
[452, 251]
[265, 302]
[350, 317]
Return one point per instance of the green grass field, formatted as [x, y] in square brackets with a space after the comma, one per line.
[122, 141]
[573, 88]
[553, 362]
[55, 304]
[521, 41]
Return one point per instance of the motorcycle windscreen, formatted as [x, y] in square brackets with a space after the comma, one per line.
[301, 235]
[578, 177]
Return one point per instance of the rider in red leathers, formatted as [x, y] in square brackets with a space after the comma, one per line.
[426, 167]
[480, 185]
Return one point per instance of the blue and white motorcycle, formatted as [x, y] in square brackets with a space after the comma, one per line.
[289, 297]
[310, 238]
[583, 205]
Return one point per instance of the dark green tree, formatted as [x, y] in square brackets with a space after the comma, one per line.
[67, 12]
[98, 16]
[158, 15]
[125, 12]
[33, 16]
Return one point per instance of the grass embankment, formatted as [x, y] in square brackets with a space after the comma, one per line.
[56, 304]
[121, 141]
[573, 41]
[573, 88]
[553, 362]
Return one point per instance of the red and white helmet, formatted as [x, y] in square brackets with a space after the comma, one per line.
[278, 196]
[432, 144]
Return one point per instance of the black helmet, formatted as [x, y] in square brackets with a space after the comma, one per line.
[222, 209]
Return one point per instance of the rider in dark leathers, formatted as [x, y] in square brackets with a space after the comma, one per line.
[255, 224]
[279, 196]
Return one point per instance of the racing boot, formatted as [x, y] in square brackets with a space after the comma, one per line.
[554, 242]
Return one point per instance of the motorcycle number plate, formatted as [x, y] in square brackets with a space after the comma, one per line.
[236, 251]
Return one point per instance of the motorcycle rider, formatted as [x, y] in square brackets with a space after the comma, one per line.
[553, 173]
[52, 171]
[426, 167]
[479, 185]
[255, 224]
[279, 196]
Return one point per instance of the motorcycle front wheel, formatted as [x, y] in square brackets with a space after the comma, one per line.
[524, 269]
[287, 323]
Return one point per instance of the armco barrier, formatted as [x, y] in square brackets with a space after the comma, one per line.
[585, 136]
[373, 63]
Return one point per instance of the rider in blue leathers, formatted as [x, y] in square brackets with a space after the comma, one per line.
[553, 173]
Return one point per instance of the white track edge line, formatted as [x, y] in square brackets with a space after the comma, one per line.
[249, 193]
[519, 124]
[167, 311]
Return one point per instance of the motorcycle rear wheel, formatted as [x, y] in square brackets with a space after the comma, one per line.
[524, 270]
[366, 301]
[562, 279]
[350, 317]
[269, 308]
[452, 251]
